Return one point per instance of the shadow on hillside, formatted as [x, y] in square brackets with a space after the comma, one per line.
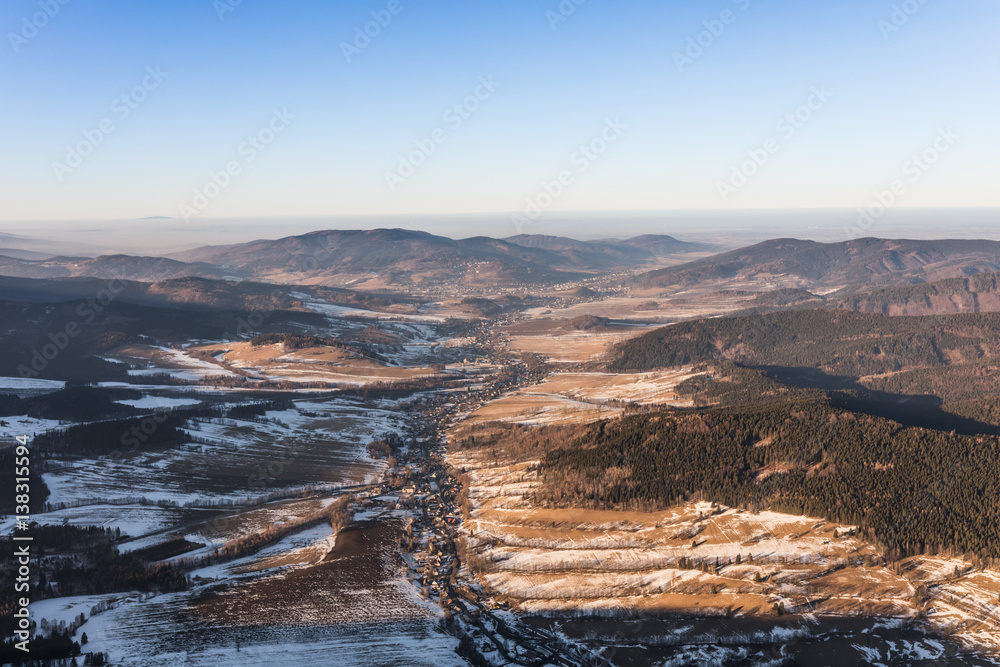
[847, 393]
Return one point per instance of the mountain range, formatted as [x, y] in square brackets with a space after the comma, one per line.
[374, 258]
[411, 260]
[867, 262]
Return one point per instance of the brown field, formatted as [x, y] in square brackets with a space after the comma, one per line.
[581, 398]
[545, 559]
[573, 346]
[166, 360]
[541, 409]
[645, 388]
[308, 555]
[546, 333]
[257, 520]
[359, 580]
[652, 306]
[311, 364]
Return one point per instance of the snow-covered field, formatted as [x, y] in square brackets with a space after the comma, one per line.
[309, 613]
[336, 311]
[340, 613]
[12, 427]
[159, 402]
[18, 384]
[131, 519]
[155, 633]
[175, 363]
[583, 397]
[321, 442]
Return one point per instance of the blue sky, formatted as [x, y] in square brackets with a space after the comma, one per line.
[557, 84]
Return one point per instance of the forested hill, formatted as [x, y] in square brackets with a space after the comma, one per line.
[193, 293]
[837, 342]
[978, 293]
[909, 489]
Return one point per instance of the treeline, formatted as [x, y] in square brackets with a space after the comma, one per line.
[159, 430]
[257, 410]
[339, 296]
[952, 384]
[46, 650]
[73, 403]
[103, 569]
[338, 514]
[297, 342]
[909, 489]
[117, 435]
[71, 560]
[373, 335]
[729, 384]
[396, 390]
[839, 342]
[962, 397]
[59, 538]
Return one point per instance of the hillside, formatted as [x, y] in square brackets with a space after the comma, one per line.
[852, 264]
[392, 256]
[80, 329]
[978, 293]
[383, 257]
[837, 342]
[609, 253]
[661, 245]
[373, 259]
[191, 293]
[123, 267]
[793, 457]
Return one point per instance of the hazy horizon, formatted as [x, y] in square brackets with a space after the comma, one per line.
[163, 236]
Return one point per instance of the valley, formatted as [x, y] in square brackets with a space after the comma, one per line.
[482, 479]
[499, 334]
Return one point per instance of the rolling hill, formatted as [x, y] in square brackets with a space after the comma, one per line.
[375, 258]
[397, 256]
[852, 265]
[123, 267]
[975, 294]
[610, 253]
[832, 341]
[191, 293]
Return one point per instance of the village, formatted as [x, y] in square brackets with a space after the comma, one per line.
[423, 485]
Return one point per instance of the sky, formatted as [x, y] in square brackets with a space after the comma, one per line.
[205, 110]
